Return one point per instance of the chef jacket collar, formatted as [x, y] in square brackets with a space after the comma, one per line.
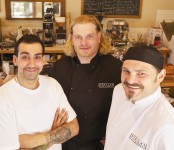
[93, 62]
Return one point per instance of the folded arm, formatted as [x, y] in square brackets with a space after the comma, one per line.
[61, 132]
[45, 140]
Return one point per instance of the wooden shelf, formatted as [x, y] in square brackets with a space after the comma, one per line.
[57, 49]
[168, 81]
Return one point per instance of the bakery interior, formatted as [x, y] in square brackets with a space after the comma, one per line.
[152, 23]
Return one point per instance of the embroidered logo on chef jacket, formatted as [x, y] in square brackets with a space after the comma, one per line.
[137, 141]
[106, 85]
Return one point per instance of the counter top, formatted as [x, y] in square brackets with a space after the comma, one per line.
[60, 48]
[168, 81]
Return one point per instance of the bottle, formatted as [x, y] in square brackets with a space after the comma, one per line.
[157, 41]
[19, 33]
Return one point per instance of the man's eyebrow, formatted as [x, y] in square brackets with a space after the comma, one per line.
[24, 53]
[123, 67]
[38, 54]
[86, 34]
[29, 53]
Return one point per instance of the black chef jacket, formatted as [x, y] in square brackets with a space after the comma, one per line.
[88, 88]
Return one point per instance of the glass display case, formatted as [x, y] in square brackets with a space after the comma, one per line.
[31, 9]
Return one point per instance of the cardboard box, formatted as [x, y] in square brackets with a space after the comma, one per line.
[152, 33]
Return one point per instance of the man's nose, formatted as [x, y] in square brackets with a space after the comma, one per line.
[31, 61]
[84, 41]
[131, 78]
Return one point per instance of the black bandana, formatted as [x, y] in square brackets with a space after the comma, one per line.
[148, 54]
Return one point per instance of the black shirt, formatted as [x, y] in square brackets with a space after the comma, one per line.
[88, 88]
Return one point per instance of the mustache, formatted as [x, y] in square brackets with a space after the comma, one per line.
[134, 84]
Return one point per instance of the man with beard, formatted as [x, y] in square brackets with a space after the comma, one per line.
[31, 104]
[140, 115]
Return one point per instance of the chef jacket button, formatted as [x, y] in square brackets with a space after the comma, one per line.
[93, 67]
[85, 117]
[89, 90]
[72, 88]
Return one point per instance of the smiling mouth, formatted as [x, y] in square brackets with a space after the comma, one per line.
[31, 69]
[133, 87]
[84, 49]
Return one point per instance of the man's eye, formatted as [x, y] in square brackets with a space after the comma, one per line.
[90, 36]
[38, 57]
[141, 74]
[78, 37]
[125, 71]
[25, 57]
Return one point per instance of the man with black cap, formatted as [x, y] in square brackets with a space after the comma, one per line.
[140, 115]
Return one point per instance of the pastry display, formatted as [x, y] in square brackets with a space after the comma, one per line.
[169, 69]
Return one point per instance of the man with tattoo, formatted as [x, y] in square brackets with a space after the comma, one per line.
[34, 111]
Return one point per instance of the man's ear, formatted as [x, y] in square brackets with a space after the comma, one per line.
[162, 75]
[15, 60]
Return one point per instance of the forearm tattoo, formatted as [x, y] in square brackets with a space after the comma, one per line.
[56, 136]
[42, 147]
[59, 135]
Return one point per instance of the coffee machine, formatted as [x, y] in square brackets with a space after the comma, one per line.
[60, 31]
[119, 32]
[48, 32]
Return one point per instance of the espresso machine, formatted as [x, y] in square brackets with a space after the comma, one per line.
[119, 32]
[48, 32]
[60, 36]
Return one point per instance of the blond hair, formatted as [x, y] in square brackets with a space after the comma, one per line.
[104, 45]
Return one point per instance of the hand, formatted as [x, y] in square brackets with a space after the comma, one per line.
[103, 140]
[60, 118]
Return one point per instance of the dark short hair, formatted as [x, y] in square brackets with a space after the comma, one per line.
[28, 39]
[145, 53]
